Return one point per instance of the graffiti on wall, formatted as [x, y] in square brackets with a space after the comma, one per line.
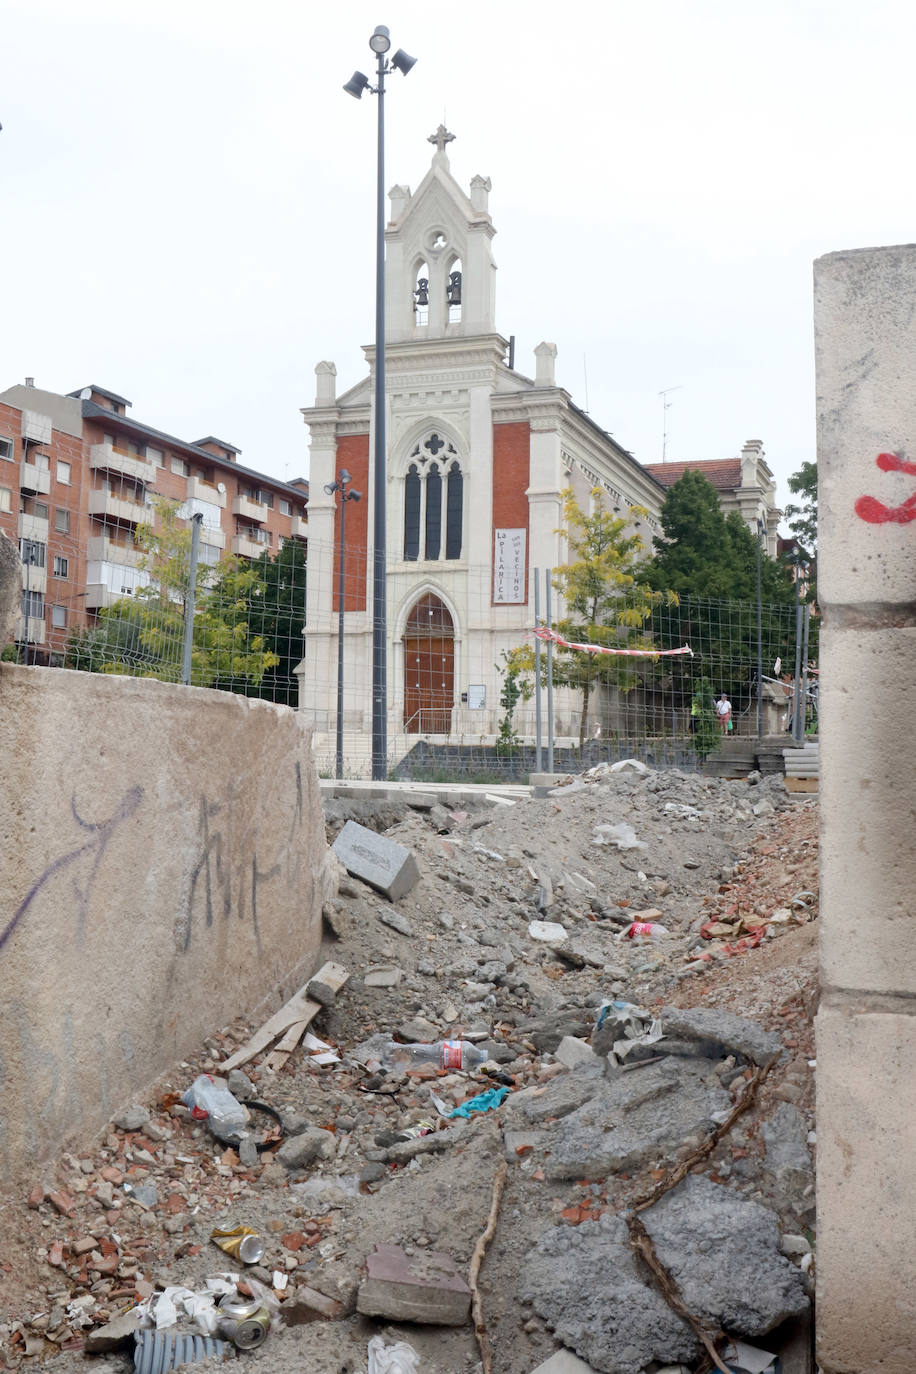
[875, 512]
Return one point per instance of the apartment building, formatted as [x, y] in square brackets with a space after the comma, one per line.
[79, 477]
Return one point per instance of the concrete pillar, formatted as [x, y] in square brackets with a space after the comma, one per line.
[865, 326]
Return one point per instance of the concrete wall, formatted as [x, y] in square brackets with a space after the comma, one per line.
[865, 317]
[162, 858]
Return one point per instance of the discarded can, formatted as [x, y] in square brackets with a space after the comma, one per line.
[424, 1127]
[244, 1321]
[242, 1243]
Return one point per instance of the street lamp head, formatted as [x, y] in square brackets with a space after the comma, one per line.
[344, 477]
[403, 62]
[356, 85]
[354, 496]
[381, 40]
[330, 488]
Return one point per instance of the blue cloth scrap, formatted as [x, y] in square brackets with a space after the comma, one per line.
[481, 1103]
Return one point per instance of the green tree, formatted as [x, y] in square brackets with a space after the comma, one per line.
[802, 518]
[607, 602]
[277, 616]
[705, 731]
[143, 635]
[515, 688]
[710, 561]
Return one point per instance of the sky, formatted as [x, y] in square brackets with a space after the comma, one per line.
[187, 199]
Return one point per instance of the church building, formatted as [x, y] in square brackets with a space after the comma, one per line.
[478, 457]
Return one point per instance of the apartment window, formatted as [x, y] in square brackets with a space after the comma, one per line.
[61, 566]
[155, 456]
[266, 498]
[33, 605]
[180, 467]
[6, 449]
[6, 497]
[31, 552]
[40, 510]
[61, 520]
[208, 553]
[63, 473]
[59, 617]
[284, 507]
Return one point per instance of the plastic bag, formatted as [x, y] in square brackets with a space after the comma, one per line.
[392, 1359]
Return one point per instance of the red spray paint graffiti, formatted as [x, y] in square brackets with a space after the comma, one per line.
[875, 512]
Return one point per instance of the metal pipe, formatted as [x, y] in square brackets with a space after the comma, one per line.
[341, 586]
[759, 639]
[379, 592]
[537, 672]
[547, 577]
[804, 693]
[196, 522]
[796, 686]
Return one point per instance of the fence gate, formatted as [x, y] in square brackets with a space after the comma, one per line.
[429, 668]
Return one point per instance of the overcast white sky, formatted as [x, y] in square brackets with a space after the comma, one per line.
[187, 198]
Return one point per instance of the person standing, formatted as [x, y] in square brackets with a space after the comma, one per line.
[724, 712]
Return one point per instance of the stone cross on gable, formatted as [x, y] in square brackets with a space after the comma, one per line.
[440, 138]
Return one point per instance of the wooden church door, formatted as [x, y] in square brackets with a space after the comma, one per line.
[429, 668]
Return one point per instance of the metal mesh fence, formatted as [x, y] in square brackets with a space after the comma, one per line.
[462, 699]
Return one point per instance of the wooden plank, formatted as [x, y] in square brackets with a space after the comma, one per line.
[284, 1048]
[324, 985]
[300, 1007]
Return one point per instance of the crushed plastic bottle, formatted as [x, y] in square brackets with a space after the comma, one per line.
[444, 1054]
[645, 930]
[211, 1101]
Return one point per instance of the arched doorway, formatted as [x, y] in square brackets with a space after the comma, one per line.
[429, 668]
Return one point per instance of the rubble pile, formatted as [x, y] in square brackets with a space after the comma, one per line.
[629, 964]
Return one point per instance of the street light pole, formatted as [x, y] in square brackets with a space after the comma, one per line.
[380, 42]
[341, 485]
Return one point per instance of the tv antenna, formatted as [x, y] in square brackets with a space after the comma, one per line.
[666, 406]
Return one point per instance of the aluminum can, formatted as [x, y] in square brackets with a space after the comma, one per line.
[244, 1321]
[242, 1243]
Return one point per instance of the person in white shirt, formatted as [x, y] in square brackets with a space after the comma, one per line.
[724, 712]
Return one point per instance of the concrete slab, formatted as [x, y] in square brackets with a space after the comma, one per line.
[564, 1362]
[388, 867]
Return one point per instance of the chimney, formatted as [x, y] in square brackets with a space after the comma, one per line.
[30, 381]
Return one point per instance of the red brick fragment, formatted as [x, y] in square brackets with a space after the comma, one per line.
[293, 1240]
[110, 1174]
[36, 1197]
[62, 1202]
[56, 1253]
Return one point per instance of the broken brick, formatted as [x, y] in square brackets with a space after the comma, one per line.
[293, 1240]
[62, 1202]
[36, 1197]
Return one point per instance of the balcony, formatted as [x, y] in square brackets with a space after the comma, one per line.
[245, 547]
[102, 550]
[199, 490]
[36, 630]
[35, 578]
[299, 528]
[35, 477]
[36, 428]
[98, 596]
[103, 458]
[33, 527]
[215, 538]
[108, 507]
[247, 509]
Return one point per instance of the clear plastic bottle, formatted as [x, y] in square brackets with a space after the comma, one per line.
[444, 1054]
[211, 1101]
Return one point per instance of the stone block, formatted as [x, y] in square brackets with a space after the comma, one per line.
[865, 339]
[866, 1187]
[308, 1305]
[424, 1286]
[867, 935]
[388, 867]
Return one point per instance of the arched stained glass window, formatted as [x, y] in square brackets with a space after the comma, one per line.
[412, 514]
[454, 505]
[433, 512]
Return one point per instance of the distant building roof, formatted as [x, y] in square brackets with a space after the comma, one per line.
[221, 443]
[723, 473]
[100, 391]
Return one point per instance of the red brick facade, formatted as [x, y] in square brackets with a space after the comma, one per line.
[511, 468]
[353, 456]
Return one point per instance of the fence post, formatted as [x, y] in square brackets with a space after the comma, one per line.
[537, 672]
[196, 522]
